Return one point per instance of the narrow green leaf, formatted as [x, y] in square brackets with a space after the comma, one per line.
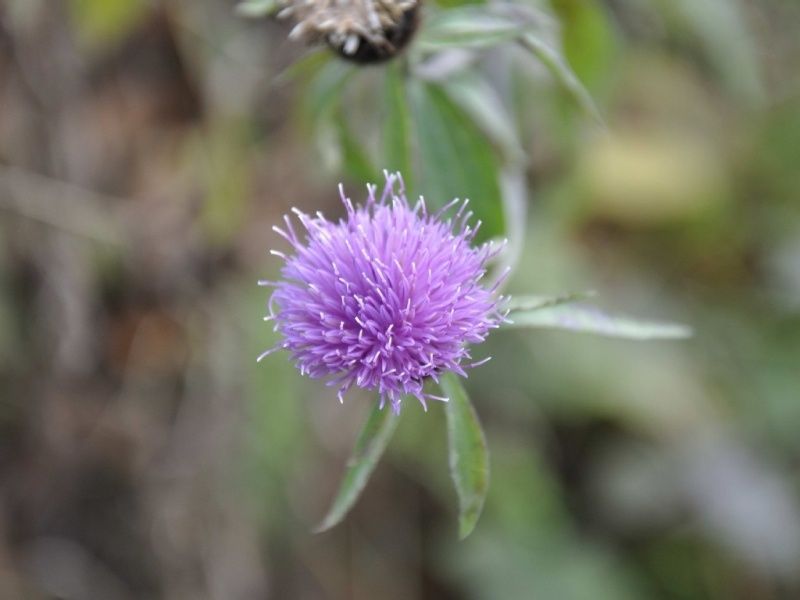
[355, 159]
[590, 319]
[562, 73]
[514, 193]
[371, 443]
[469, 456]
[588, 40]
[256, 8]
[304, 68]
[321, 107]
[323, 93]
[484, 26]
[397, 125]
[531, 302]
[477, 26]
[455, 160]
[482, 102]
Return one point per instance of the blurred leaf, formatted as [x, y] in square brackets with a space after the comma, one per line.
[328, 144]
[355, 161]
[553, 60]
[321, 104]
[482, 102]
[475, 27]
[565, 567]
[306, 67]
[397, 125]
[514, 192]
[588, 38]
[455, 159]
[102, 21]
[469, 456]
[589, 319]
[371, 443]
[529, 302]
[720, 29]
[324, 91]
[256, 8]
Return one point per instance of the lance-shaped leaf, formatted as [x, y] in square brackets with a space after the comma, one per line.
[479, 26]
[484, 104]
[534, 302]
[304, 68]
[323, 94]
[397, 125]
[455, 159]
[558, 67]
[590, 319]
[355, 158]
[371, 443]
[469, 456]
[484, 26]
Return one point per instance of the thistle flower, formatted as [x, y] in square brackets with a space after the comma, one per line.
[364, 31]
[384, 298]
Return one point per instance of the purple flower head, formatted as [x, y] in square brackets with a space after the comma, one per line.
[385, 297]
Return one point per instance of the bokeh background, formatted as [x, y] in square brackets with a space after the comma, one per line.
[146, 149]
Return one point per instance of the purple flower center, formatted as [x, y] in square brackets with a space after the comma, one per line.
[385, 297]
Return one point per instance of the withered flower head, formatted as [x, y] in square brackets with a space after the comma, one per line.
[364, 31]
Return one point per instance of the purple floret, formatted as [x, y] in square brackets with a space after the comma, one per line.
[385, 297]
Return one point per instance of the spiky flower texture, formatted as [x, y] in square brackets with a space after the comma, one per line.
[386, 297]
[364, 31]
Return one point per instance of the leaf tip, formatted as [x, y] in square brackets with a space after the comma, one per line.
[325, 525]
[682, 332]
[466, 526]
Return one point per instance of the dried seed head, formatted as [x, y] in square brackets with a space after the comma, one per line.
[364, 31]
